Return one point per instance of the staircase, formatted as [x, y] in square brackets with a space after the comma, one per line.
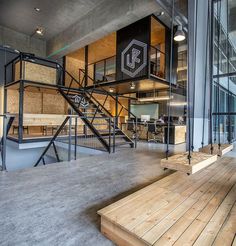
[95, 115]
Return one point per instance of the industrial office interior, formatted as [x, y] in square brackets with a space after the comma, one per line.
[118, 122]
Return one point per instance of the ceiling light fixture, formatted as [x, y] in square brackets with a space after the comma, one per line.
[39, 31]
[132, 86]
[153, 99]
[37, 9]
[179, 34]
[111, 89]
[178, 104]
[161, 13]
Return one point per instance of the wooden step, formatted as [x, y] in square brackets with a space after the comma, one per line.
[177, 210]
[224, 149]
[180, 162]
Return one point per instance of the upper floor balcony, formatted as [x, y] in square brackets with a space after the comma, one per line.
[135, 58]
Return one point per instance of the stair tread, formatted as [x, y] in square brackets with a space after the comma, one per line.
[91, 109]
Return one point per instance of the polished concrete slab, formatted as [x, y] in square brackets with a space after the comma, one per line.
[57, 204]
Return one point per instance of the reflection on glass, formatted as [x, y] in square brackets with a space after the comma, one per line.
[104, 71]
[110, 69]
[99, 71]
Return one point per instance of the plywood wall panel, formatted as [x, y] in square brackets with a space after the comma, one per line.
[32, 103]
[72, 66]
[36, 103]
[12, 101]
[53, 104]
[35, 72]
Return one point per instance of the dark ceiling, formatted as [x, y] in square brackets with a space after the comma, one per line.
[55, 15]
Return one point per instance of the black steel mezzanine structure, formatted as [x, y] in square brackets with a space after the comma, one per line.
[75, 88]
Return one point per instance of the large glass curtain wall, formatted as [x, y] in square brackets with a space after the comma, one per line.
[224, 72]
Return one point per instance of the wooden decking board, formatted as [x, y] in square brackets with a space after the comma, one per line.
[190, 209]
[193, 192]
[180, 162]
[171, 236]
[151, 204]
[211, 230]
[149, 188]
[166, 224]
[119, 236]
[142, 216]
[194, 230]
[130, 221]
[227, 232]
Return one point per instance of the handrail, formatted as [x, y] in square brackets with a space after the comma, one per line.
[89, 124]
[52, 141]
[60, 129]
[6, 128]
[108, 93]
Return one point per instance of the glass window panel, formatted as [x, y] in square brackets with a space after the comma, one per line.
[110, 69]
[99, 71]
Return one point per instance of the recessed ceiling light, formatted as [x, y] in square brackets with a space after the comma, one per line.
[160, 13]
[39, 31]
[111, 89]
[132, 86]
[37, 9]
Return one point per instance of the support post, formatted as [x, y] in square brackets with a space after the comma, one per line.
[76, 123]
[4, 142]
[197, 37]
[21, 112]
[86, 66]
[69, 148]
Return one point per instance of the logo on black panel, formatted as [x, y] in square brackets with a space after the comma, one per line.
[80, 100]
[134, 58]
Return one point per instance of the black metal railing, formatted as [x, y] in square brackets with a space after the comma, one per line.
[15, 70]
[6, 122]
[70, 136]
[101, 105]
[73, 86]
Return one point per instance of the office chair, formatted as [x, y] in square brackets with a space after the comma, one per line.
[131, 128]
[155, 131]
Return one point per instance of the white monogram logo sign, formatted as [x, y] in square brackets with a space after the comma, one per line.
[134, 58]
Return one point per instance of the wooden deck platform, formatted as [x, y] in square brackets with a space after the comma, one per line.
[180, 162]
[224, 149]
[178, 210]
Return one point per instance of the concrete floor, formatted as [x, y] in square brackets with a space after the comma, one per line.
[57, 204]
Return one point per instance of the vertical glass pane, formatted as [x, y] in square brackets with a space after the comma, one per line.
[110, 68]
[99, 71]
[158, 56]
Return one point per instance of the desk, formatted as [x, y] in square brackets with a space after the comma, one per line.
[39, 123]
[177, 132]
[44, 120]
